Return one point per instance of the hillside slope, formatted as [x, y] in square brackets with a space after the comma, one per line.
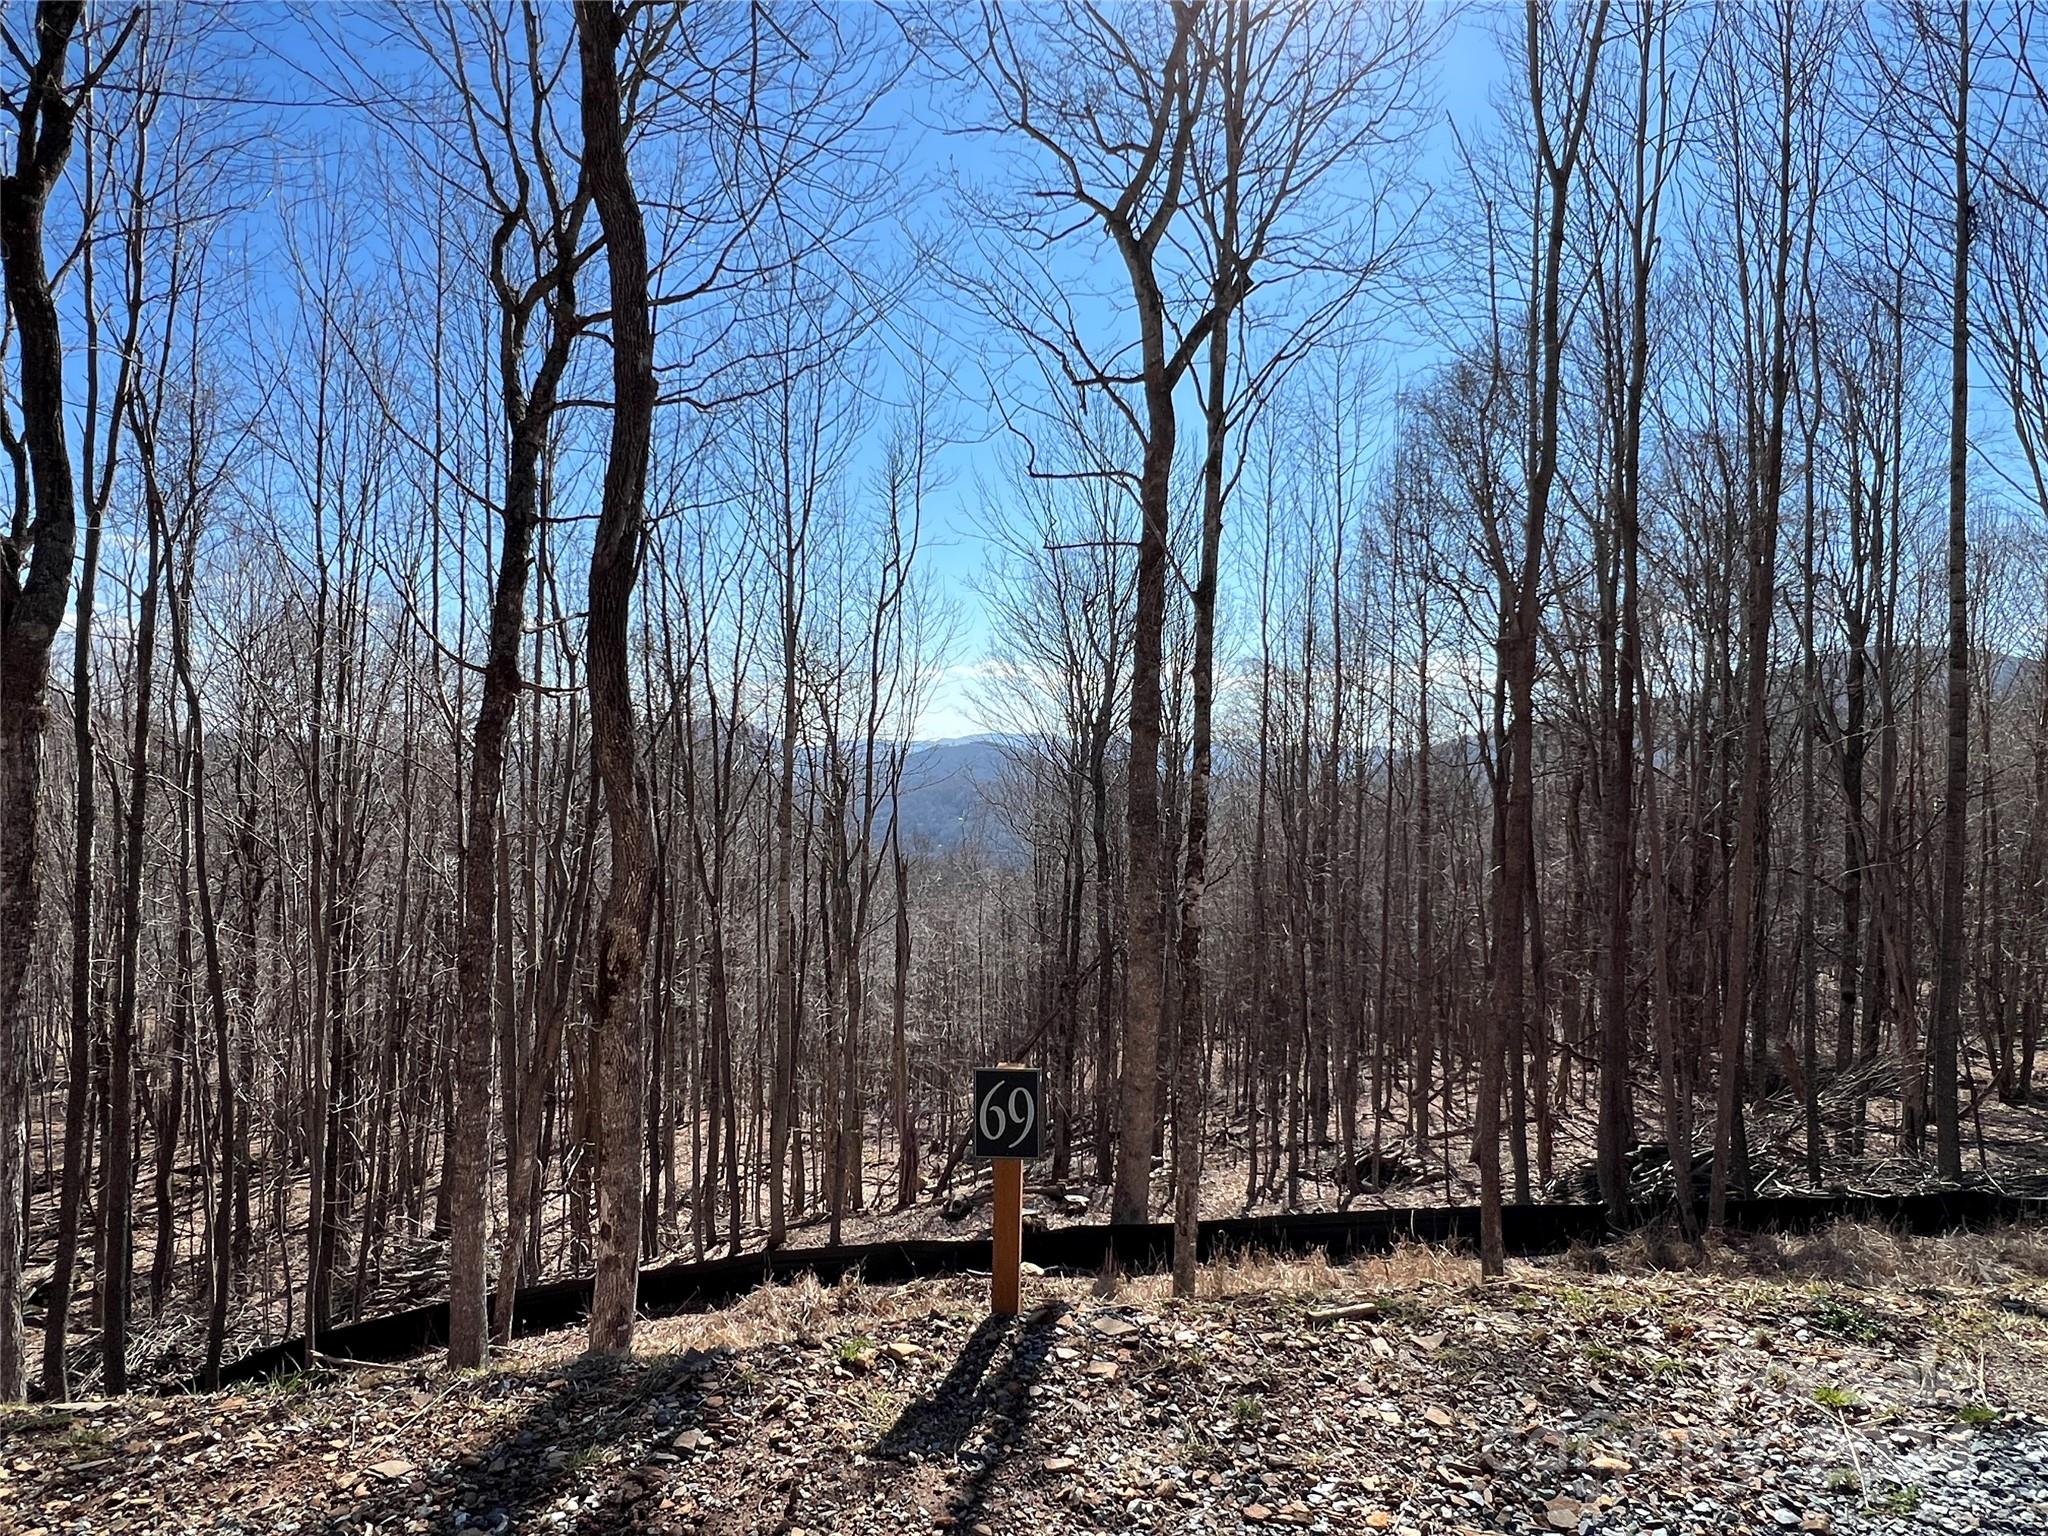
[1850, 1382]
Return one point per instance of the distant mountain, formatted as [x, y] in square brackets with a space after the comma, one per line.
[946, 794]
[950, 787]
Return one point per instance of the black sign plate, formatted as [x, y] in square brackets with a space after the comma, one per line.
[1009, 1112]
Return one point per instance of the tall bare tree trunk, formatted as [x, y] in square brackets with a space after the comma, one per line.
[1233, 67]
[1105, 939]
[118, 1193]
[31, 610]
[1557, 161]
[529, 414]
[899, 1008]
[1650, 165]
[1144, 916]
[1945, 1028]
[1765, 439]
[99, 487]
[1145, 957]
[614, 566]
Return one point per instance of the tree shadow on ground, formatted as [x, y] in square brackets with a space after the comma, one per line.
[594, 1447]
[977, 1416]
[537, 1472]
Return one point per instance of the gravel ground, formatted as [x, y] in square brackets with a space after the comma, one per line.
[1852, 1382]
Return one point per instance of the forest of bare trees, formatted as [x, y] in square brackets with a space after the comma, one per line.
[1507, 622]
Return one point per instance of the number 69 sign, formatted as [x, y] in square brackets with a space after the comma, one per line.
[1009, 1118]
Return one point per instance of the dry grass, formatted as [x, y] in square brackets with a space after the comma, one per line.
[1849, 1254]
[1253, 1274]
[1656, 1248]
[802, 1310]
[809, 1312]
[1410, 1264]
[1865, 1254]
[1249, 1273]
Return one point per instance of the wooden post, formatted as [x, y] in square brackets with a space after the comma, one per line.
[1008, 1115]
[1009, 1237]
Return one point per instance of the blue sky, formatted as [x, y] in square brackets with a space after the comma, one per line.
[321, 142]
[1469, 73]
[287, 61]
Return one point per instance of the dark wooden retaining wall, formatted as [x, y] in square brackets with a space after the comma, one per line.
[1138, 1247]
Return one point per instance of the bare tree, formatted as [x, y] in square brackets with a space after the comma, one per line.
[35, 582]
[104, 423]
[1946, 1026]
[501, 76]
[1559, 133]
[614, 567]
[1132, 186]
[1771, 74]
